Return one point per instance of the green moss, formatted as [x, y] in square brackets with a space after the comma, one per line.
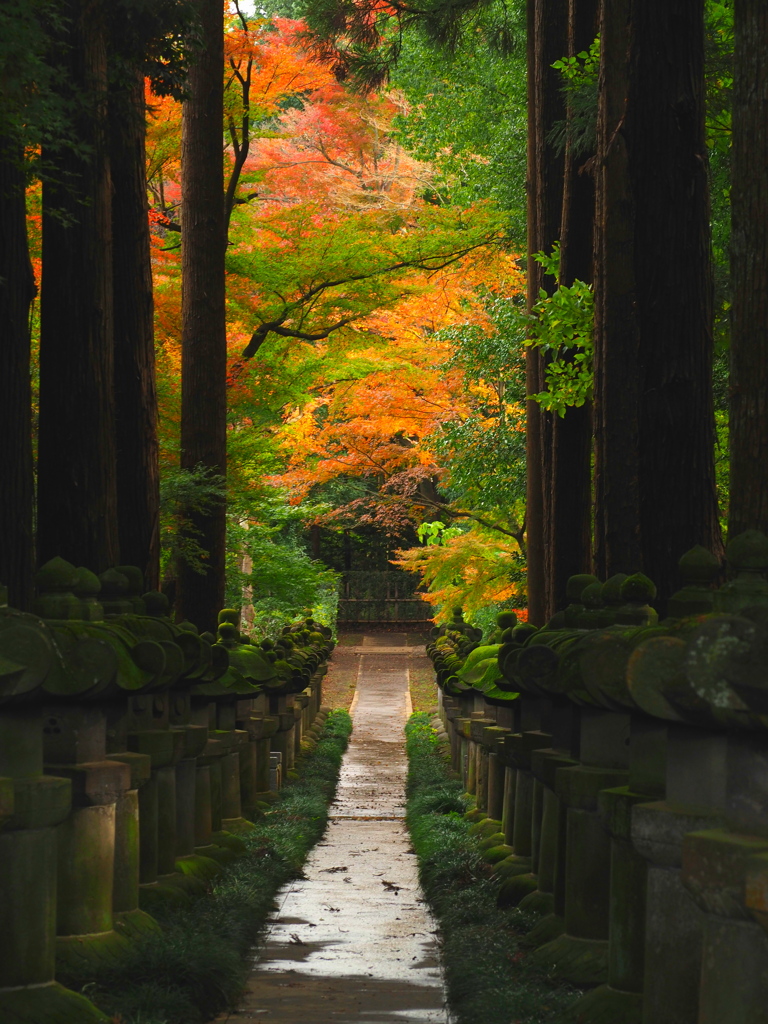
[485, 828]
[494, 839]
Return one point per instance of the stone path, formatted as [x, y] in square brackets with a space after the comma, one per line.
[353, 943]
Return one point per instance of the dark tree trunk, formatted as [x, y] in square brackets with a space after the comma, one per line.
[17, 291]
[571, 494]
[749, 265]
[616, 355]
[204, 339]
[547, 41]
[673, 277]
[77, 512]
[138, 485]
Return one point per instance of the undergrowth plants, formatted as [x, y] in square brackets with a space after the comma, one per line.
[486, 969]
[197, 965]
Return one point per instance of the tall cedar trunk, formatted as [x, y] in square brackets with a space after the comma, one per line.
[673, 276]
[138, 483]
[571, 495]
[204, 339]
[17, 290]
[534, 499]
[77, 507]
[547, 41]
[749, 265]
[616, 350]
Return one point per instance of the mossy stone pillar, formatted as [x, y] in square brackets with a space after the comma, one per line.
[147, 801]
[129, 919]
[621, 998]
[86, 866]
[494, 737]
[695, 801]
[186, 782]
[580, 954]
[166, 820]
[517, 749]
[478, 725]
[32, 805]
[734, 975]
[717, 871]
[451, 714]
[283, 742]
[461, 725]
[550, 865]
[508, 811]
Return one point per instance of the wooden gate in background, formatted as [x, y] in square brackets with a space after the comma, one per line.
[383, 599]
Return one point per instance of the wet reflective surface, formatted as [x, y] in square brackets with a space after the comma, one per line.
[353, 942]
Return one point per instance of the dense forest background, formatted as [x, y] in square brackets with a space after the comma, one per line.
[378, 308]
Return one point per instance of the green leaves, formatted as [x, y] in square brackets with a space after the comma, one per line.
[561, 325]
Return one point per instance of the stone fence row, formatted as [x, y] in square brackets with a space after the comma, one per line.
[132, 753]
[626, 790]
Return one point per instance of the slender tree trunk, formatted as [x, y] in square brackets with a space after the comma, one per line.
[77, 509]
[547, 40]
[616, 355]
[571, 497]
[204, 339]
[138, 485]
[17, 291]
[534, 499]
[749, 265]
[673, 275]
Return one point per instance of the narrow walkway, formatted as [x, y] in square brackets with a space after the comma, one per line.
[353, 941]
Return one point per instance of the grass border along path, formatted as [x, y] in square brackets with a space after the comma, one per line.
[482, 948]
[197, 966]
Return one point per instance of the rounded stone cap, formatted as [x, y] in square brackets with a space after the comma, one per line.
[135, 578]
[229, 615]
[228, 632]
[748, 552]
[612, 589]
[699, 566]
[155, 603]
[56, 574]
[638, 588]
[577, 584]
[113, 584]
[87, 583]
[592, 595]
[523, 631]
[506, 620]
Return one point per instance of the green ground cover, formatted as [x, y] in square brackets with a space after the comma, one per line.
[485, 962]
[197, 966]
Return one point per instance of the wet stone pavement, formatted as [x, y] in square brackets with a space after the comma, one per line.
[352, 942]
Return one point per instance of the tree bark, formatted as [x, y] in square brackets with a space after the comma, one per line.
[17, 291]
[204, 339]
[749, 268]
[138, 483]
[616, 339]
[77, 508]
[547, 40]
[673, 274]
[571, 493]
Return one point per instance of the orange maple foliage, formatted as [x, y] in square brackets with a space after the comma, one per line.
[378, 423]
